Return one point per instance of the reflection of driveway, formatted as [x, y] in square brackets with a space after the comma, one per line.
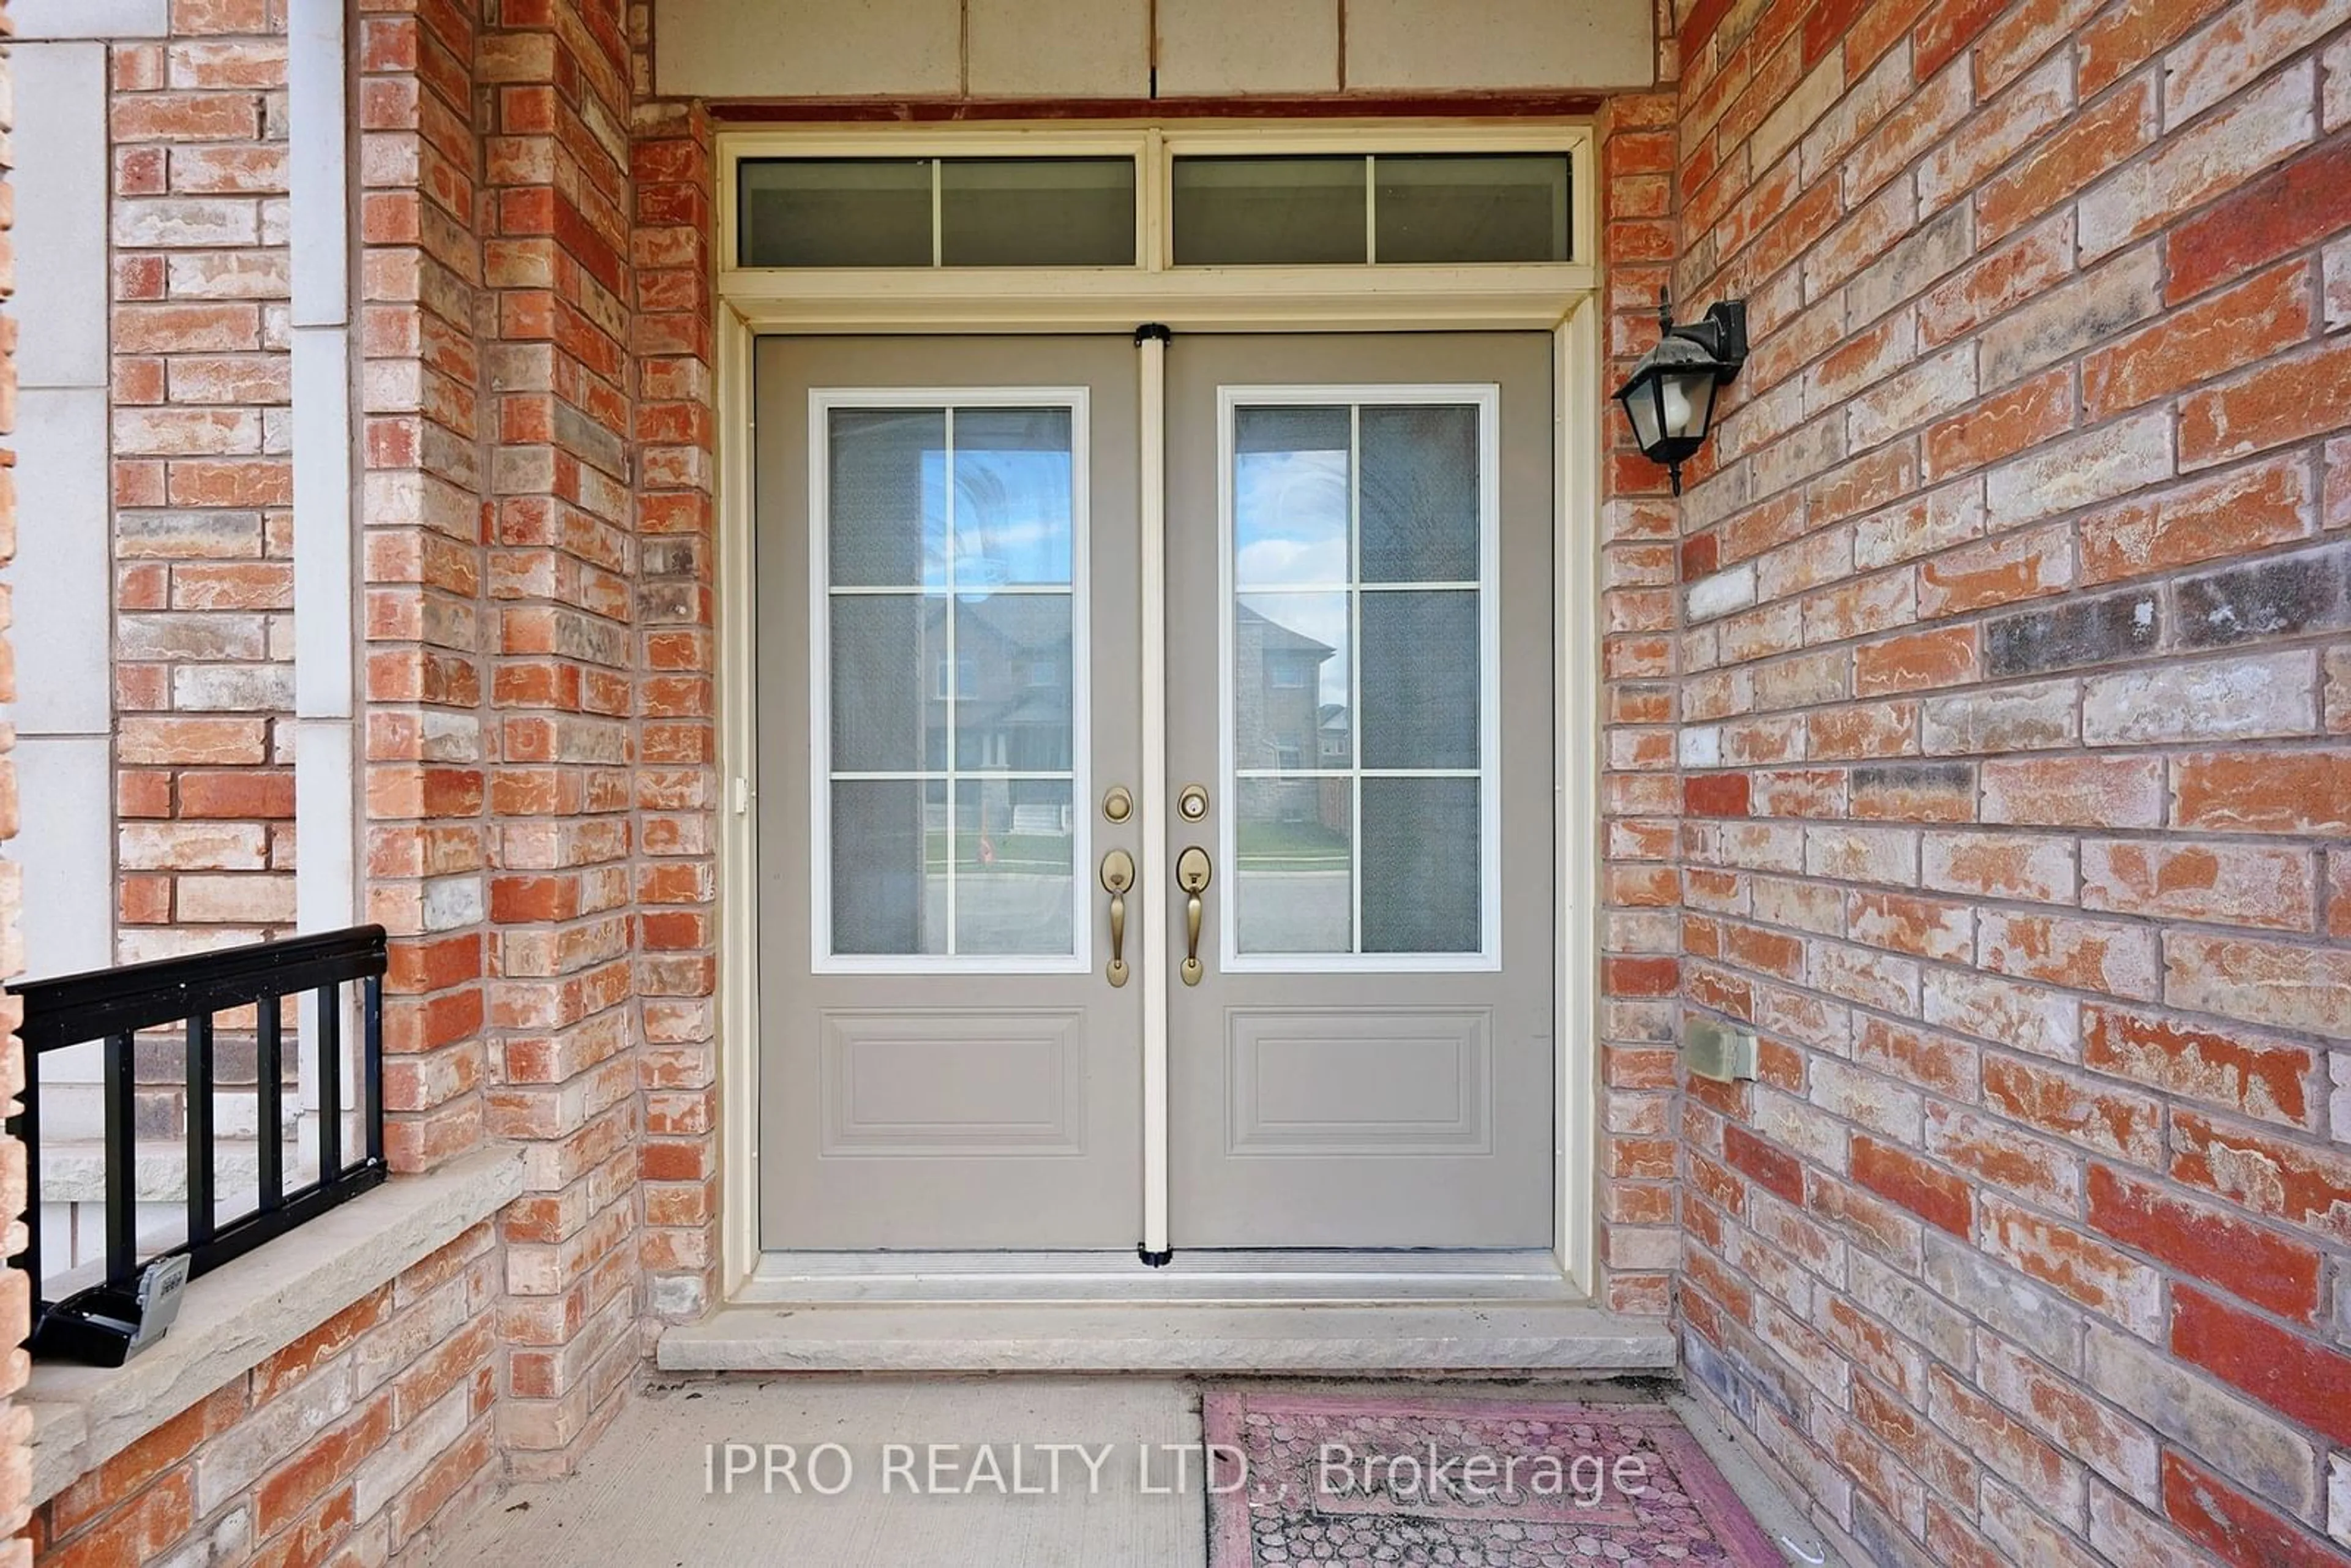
[1294, 911]
[1001, 909]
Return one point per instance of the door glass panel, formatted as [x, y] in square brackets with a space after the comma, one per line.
[1013, 669]
[1013, 849]
[890, 666]
[1420, 865]
[1289, 506]
[1293, 870]
[1420, 678]
[1358, 709]
[886, 483]
[1012, 498]
[1420, 494]
[1290, 668]
[951, 666]
[889, 866]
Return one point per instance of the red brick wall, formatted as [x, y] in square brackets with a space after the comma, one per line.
[511, 748]
[504, 575]
[352, 1445]
[2014, 699]
[1639, 796]
[202, 482]
[560, 626]
[425, 844]
[676, 971]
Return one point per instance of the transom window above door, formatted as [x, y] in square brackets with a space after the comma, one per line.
[1156, 201]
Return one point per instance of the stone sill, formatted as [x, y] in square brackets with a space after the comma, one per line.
[239, 1315]
[1391, 1338]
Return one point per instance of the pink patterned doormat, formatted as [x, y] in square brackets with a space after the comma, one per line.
[1481, 1483]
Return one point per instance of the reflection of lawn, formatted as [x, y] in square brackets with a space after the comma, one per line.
[1288, 846]
[1024, 851]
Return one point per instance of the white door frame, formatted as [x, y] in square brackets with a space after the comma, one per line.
[1561, 299]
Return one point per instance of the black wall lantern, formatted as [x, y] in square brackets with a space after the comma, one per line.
[1670, 395]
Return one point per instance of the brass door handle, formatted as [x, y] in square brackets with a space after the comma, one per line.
[1192, 874]
[1117, 877]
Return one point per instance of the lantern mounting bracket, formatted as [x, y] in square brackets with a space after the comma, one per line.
[1721, 332]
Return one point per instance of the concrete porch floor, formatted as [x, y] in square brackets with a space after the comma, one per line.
[652, 1491]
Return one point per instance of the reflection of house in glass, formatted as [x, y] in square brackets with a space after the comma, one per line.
[1280, 722]
[1010, 683]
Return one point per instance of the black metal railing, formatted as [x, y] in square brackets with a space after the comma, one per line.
[112, 1006]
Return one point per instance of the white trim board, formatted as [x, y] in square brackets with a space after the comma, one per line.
[1561, 299]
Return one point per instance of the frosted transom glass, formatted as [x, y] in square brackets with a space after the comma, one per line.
[1358, 696]
[1255, 212]
[1396, 209]
[937, 212]
[1452, 206]
[950, 672]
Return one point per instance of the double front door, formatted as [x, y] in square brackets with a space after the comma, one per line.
[1313, 1008]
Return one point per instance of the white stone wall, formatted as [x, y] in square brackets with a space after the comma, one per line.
[1105, 49]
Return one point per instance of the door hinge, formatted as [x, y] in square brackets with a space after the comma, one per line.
[742, 795]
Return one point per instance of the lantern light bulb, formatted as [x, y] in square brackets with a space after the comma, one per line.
[1676, 407]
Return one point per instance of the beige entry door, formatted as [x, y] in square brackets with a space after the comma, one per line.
[948, 568]
[1360, 708]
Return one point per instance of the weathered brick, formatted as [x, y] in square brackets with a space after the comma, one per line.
[2059, 323]
[2261, 128]
[1936, 1196]
[2007, 718]
[2076, 1265]
[2070, 635]
[2235, 1435]
[2260, 221]
[2002, 1444]
[2207, 1243]
[2074, 791]
[2081, 1109]
[2083, 954]
[2095, 465]
[2267, 1173]
[1992, 1149]
[2237, 1529]
[2297, 791]
[2281, 596]
[2232, 884]
[2235, 513]
[2272, 983]
[2282, 1369]
[2212, 700]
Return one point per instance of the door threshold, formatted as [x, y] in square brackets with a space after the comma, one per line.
[1234, 1277]
[1297, 1337]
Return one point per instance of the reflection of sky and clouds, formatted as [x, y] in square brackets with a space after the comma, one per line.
[1013, 498]
[1289, 525]
[1290, 518]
